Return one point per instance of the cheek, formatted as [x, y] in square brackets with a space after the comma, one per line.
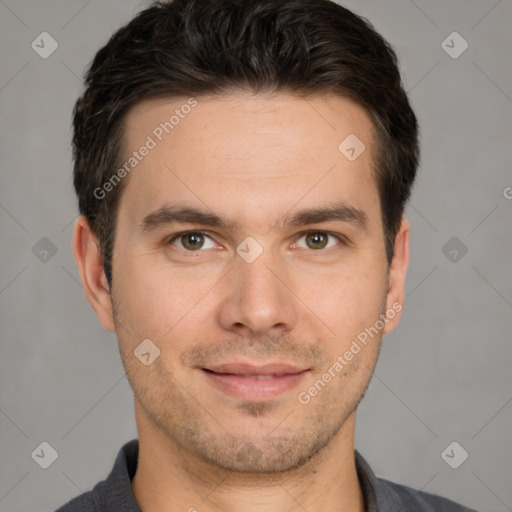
[347, 301]
[157, 301]
[161, 301]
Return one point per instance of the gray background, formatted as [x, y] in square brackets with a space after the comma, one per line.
[444, 374]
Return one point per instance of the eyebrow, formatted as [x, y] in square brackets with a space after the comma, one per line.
[341, 212]
[183, 215]
[186, 215]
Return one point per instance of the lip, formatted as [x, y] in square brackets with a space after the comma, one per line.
[254, 382]
[248, 370]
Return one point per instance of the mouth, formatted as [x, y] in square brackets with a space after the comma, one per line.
[251, 382]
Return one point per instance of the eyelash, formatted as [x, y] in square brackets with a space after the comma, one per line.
[193, 232]
[342, 240]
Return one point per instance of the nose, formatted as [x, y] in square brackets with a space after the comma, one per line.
[258, 300]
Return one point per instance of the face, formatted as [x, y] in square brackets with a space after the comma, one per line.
[250, 251]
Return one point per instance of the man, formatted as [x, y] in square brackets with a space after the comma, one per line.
[242, 169]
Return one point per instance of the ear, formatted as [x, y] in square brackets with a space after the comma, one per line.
[90, 266]
[396, 279]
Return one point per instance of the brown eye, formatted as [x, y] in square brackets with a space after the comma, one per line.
[192, 241]
[317, 240]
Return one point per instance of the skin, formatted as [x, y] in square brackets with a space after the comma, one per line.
[256, 160]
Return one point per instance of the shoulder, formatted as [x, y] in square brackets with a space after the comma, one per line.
[106, 495]
[82, 503]
[113, 494]
[417, 501]
[384, 496]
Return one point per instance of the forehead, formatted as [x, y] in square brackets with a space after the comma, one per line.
[245, 151]
[284, 118]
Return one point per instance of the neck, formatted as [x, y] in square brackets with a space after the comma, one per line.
[169, 478]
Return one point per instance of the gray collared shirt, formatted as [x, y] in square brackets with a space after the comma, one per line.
[115, 493]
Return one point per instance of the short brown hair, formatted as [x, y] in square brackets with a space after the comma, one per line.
[203, 47]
